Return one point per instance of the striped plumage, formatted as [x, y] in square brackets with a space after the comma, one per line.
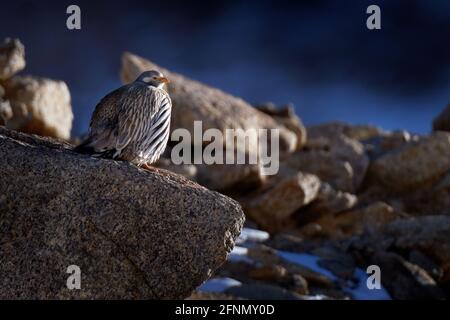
[132, 123]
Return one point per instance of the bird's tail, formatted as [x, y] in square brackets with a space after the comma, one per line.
[84, 147]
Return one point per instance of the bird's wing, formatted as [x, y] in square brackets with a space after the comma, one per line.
[142, 111]
[103, 125]
[107, 110]
[156, 139]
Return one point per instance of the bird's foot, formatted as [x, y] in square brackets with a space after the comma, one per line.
[148, 167]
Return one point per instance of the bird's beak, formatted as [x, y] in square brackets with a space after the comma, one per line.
[163, 79]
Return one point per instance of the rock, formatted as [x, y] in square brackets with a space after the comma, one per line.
[216, 109]
[288, 242]
[267, 256]
[286, 116]
[442, 121]
[237, 270]
[371, 219]
[278, 275]
[258, 272]
[332, 129]
[39, 105]
[338, 262]
[339, 268]
[328, 201]
[380, 145]
[373, 193]
[312, 230]
[429, 200]
[416, 164]
[273, 206]
[230, 178]
[209, 296]
[187, 170]
[336, 172]
[272, 273]
[421, 259]
[298, 284]
[12, 58]
[131, 231]
[262, 292]
[377, 215]
[5, 112]
[430, 235]
[337, 160]
[5, 108]
[404, 280]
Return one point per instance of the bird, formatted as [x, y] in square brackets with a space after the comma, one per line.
[131, 123]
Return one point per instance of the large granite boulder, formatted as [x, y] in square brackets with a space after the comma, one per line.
[134, 233]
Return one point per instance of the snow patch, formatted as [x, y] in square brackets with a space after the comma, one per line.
[362, 292]
[358, 290]
[252, 235]
[306, 260]
[218, 285]
[239, 254]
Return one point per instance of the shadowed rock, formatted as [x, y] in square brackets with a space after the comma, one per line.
[429, 200]
[328, 201]
[404, 280]
[370, 219]
[262, 291]
[135, 234]
[430, 234]
[442, 121]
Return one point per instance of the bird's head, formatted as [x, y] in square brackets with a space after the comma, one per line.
[152, 78]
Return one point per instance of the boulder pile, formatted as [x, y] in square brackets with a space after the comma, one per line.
[31, 104]
[376, 196]
[134, 234]
[346, 199]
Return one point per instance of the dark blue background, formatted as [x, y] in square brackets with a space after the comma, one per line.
[318, 55]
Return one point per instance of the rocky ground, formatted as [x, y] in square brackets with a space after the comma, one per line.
[346, 197]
